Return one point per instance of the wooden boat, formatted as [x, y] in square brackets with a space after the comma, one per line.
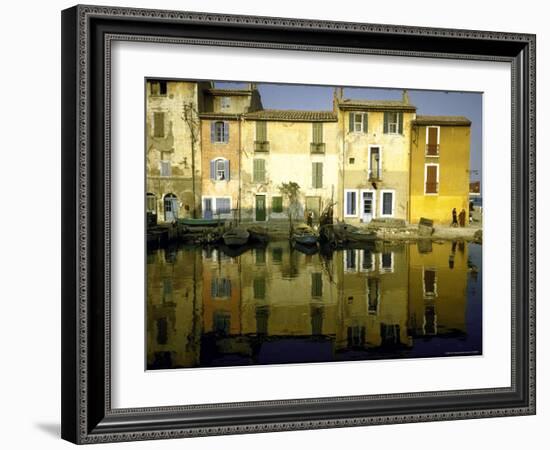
[304, 235]
[342, 233]
[200, 222]
[305, 249]
[258, 234]
[236, 236]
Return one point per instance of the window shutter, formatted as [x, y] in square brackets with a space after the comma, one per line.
[317, 175]
[365, 123]
[213, 169]
[226, 168]
[386, 119]
[317, 132]
[225, 132]
[261, 131]
[259, 170]
[351, 122]
[431, 179]
[400, 119]
[159, 124]
[212, 131]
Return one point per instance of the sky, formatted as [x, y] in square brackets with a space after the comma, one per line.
[451, 103]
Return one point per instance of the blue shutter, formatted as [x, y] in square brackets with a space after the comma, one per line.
[227, 174]
[212, 131]
[225, 132]
[213, 169]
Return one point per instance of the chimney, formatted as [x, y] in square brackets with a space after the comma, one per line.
[405, 96]
[337, 97]
[251, 86]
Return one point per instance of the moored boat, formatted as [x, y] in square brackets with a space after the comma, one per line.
[258, 234]
[236, 236]
[200, 222]
[304, 235]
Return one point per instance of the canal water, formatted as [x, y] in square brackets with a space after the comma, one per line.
[216, 306]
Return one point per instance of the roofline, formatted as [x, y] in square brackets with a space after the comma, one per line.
[229, 92]
[360, 107]
[442, 123]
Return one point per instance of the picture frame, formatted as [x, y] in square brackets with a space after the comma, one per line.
[87, 35]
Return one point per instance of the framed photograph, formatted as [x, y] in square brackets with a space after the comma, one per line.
[281, 224]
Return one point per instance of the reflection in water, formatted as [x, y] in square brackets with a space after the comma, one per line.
[271, 305]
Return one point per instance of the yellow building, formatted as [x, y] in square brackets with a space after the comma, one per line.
[375, 163]
[282, 146]
[440, 167]
[173, 145]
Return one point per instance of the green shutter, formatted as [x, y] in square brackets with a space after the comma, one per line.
[317, 132]
[259, 170]
[261, 131]
[386, 120]
[351, 122]
[400, 119]
[277, 204]
[158, 124]
[317, 175]
[365, 123]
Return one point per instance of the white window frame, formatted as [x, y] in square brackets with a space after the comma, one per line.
[373, 191]
[383, 269]
[379, 158]
[396, 123]
[346, 202]
[165, 168]
[362, 258]
[438, 136]
[345, 256]
[355, 123]
[382, 192]
[216, 161]
[426, 178]
[224, 125]
[429, 294]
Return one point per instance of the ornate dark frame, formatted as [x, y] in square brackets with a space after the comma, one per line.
[87, 33]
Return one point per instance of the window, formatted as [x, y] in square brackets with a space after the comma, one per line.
[223, 206]
[350, 206]
[432, 141]
[317, 175]
[429, 283]
[358, 122]
[219, 170]
[277, 204]
[352, 160]
[162, 331]
[259, 171]
[386, 262]
[367, 261]
[373, 295]
[375, 164]
[430, 320]
[259, 288]
[317, 284]
[219, 132]
[387, 203]
[167, 291]
[220, 288]
[158, 124]
[151, 203]
[393, 122]
[350, 260]
[165, 168]
[356, 336]
[432, 179]
[158, 88]
[225, 102]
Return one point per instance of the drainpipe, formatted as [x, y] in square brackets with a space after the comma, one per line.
[239, 203]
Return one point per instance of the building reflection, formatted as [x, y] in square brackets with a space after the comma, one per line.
[276, 305]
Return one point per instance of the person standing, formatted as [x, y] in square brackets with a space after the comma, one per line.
[462, 218]
[454, 223]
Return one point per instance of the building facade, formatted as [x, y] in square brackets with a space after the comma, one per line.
[440, 168]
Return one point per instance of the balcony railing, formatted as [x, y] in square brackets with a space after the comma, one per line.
[261, 146]
[432, 149]
[317, 147]
[375, 175]
[432, 188]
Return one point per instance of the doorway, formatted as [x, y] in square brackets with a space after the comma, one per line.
[260, 208]
[368, 206]
[171, 207]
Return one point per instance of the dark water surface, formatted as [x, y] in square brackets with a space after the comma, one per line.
[209, 307]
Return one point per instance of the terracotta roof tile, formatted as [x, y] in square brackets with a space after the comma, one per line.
[292, 115]
[443, 120]
[381, 105]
